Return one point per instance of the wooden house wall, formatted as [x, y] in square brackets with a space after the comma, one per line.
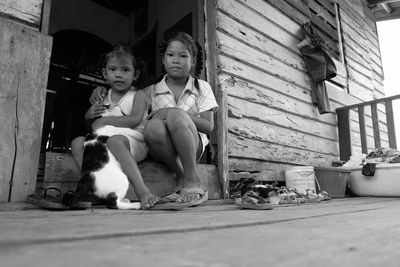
[272, 123]
[25, 57]
[364, 66]
[26, 12]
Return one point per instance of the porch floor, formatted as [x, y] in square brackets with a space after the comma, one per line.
[341, 232]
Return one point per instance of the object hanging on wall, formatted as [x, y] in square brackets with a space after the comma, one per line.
[319, 65]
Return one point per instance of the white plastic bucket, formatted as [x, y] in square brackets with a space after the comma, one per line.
[300, 178]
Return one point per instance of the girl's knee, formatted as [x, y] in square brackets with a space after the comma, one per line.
[117, 141]
[155, 129]
[177, 118]
[77, 145]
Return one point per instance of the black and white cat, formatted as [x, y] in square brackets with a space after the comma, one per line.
[101, 175]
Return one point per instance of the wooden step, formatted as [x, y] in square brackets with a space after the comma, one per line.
[61, 172]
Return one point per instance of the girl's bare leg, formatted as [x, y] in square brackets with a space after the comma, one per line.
[161, 147]
[77, 150]
[179, 137]
[119, 147]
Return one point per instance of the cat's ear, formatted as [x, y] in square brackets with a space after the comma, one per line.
[90, 137]
[102, 138]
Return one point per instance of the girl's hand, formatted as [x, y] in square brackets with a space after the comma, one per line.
[159, 114]
[95, 111]
[98, 95]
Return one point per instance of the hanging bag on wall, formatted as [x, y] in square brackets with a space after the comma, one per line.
[318, 62]
[320, 66]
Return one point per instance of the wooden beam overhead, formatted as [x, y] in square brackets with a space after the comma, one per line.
[376, 2]
[387, 8]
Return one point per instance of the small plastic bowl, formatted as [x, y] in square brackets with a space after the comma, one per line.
[275, 199]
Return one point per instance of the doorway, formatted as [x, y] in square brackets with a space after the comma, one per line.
[82, 31]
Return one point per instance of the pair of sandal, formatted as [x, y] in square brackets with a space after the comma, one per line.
[311, 197]
[175, 200]
[50, 202]
[254, 202]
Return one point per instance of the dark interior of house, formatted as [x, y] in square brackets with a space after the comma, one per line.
[75, 67]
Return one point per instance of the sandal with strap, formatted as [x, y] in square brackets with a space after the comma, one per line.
[47, 201]
[308, 197]
[175, 201]
[254, 202]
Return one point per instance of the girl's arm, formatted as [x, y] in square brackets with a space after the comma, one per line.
[204, 123]
[129, 121]
[98, 95]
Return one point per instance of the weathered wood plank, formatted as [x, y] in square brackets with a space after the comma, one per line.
[262, 42]
[360, 78]
[272, 133]
[245, 72]
[358, 59]
[271, 97]
[363, 29]
[258, 169]
[299, 12]
[359, 91]
[256, 59]
[27, 12]
[254, 149]
[296, 10]
[361, 45]
[296, 122]
[261, 24]
[270, 13]
[265, 42]
[23, 74]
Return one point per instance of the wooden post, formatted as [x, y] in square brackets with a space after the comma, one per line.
[221, 96]
[344, 133]
[375, 125]
[363, 133]
[390, 124]
[25, 58]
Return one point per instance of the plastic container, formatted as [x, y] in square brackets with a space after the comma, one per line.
[385, 182]
[300, 178]
[332, 180]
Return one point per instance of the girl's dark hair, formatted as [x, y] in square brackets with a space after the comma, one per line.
[194, 49]
[123, 52]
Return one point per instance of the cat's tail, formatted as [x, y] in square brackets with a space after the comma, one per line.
[114, 202]
[122, 205]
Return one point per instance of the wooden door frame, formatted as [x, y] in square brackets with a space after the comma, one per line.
[221, 128]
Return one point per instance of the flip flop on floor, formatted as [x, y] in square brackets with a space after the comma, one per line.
[174, 201]
[254, 202]
[308, 198]
[49, 202]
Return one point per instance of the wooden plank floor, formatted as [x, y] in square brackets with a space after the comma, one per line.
[341, 232]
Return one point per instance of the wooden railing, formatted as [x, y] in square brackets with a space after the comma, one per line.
[343, 115]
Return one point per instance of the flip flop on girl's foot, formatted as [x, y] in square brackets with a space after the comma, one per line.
[174, 201]
[254, 202]
[203, 195]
